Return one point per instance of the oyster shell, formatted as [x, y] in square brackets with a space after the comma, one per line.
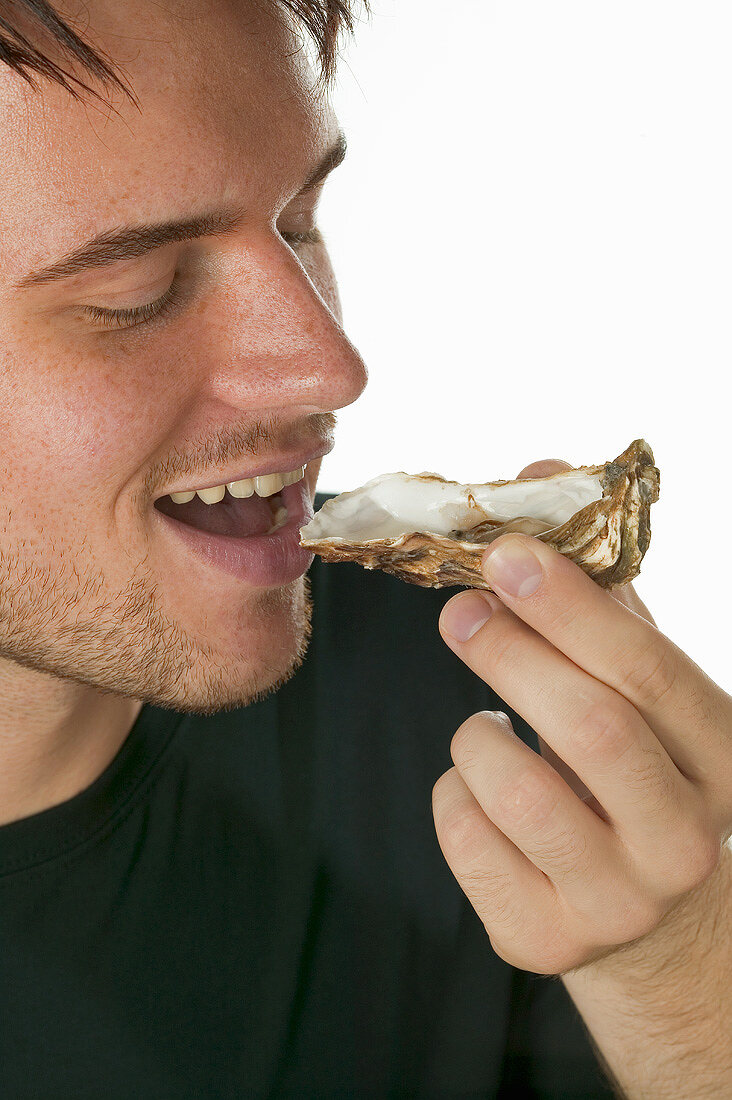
[433, 532]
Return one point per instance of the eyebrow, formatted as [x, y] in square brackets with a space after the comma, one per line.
[124, 244]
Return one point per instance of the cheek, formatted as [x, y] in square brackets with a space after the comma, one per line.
[73, 429]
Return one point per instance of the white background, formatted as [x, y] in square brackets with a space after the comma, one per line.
[533, 239]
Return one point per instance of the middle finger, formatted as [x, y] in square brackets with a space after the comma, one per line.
[596, 731]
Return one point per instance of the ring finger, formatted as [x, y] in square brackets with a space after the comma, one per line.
[538, 812]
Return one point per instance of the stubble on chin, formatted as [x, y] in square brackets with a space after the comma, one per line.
[293, 601]
[64, 622]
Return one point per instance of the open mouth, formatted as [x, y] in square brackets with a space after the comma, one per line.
[232, 516]
[256, 539]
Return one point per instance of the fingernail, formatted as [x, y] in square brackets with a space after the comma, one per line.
[513, 569]
[463, 616]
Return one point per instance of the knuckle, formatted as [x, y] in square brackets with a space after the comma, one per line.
[492, 895]
[509, 949]
[568, 853]
[628, 918]
[709, 855]
[528, 800]
[548, 957]
[649, 676]
[540, 941]
[651, 779]
[533, 805]
[445, 783]
[568, 615]
[643, 914]
[462, 833]
[463, 746]
[697, 858]
[556, 958]
[505, 651]
[606, 731]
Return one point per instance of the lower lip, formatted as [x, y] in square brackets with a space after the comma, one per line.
[261, 560]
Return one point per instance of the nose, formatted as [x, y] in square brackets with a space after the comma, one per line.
[275, 339]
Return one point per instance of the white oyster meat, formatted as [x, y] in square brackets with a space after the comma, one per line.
[433, 532]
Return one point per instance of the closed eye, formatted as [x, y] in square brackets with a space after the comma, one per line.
[166, 303]
[312, 236]
[138, 315]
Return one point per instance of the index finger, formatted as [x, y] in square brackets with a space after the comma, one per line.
[688, 712]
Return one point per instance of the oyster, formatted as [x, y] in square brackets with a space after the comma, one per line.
[433, 532]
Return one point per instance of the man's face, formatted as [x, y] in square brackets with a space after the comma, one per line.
[99, 415]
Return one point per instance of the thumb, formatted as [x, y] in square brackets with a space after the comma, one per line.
[625, 594]
[545, 467]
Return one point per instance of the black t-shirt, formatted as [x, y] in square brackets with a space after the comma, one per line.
[255, 904]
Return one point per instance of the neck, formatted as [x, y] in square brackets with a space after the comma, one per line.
[56, 738]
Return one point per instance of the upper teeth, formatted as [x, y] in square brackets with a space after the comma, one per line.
[264, 486]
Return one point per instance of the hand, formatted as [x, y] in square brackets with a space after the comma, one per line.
[569, 855]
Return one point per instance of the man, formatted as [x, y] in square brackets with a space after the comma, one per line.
[219, 875]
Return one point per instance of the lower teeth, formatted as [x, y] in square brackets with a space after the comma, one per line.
[280, 519]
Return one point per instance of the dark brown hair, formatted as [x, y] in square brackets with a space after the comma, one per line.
[24, 20]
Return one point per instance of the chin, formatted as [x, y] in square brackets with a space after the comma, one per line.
[272, 649]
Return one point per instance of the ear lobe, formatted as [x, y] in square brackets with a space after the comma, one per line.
[545, 467]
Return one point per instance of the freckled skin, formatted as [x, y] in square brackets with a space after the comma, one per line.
[96, 615]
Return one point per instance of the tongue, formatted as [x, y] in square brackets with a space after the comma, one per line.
[231, 516]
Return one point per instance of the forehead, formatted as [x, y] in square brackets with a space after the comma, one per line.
[227, 115]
